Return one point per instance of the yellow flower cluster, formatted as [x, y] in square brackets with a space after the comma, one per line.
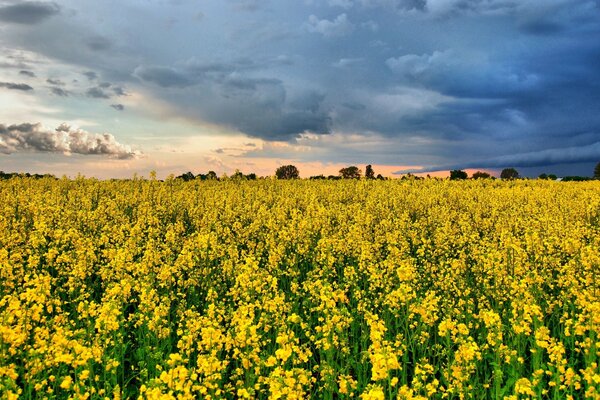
[406, 289]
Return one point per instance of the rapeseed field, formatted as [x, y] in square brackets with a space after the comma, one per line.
[353, 289]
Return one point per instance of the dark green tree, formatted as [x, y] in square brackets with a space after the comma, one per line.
[238, 175]
[369, 173]
[457, 174]
[480, 175]
[597, 171]
[188, 176]
[212, 175]
[509, 173]
[287, 172]
[351, 172]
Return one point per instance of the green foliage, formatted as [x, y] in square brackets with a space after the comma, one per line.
[9, 175]
[481, 175]
[458, 174]
[576, 178]
[287, 172]
[509, 173]
[188, 176]
[351, 172]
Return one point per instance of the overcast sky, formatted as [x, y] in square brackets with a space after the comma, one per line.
[110, 88]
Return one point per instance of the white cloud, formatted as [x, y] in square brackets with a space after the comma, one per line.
[338, 27]
[347, 62]
[64, 139]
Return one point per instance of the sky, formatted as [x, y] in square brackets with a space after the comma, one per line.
[115, 88]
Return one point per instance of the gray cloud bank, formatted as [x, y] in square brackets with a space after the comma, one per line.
[569, 155]
[64, 139]
[228, 94]
[28, 12]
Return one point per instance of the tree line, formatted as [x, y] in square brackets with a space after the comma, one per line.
[353, 172]
[350, 172]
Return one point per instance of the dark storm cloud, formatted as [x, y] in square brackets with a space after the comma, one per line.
[118, 107]
[261, 108]
[547, 157]
[15, 86]
[226, 93]
[64, 139]
[28, 12]
[30, 74]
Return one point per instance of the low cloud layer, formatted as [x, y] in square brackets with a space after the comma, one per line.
[64, 139]
[569, 155]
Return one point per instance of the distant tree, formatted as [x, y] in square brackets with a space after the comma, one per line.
[317, 177]
[552, 177]
[509, 173]
[380, 177]
[334, 177]
[238, 175]
[287, 172]
[369, 173]
[351, 172]
[597, 171]
[457, 174]
[251, 176]
[575, 178]
[480, 175]
[188, 176]
[212, 175]
[543, 176]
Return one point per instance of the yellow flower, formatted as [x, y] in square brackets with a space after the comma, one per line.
[66, 383]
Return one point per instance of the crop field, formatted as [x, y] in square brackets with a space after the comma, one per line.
[399, 289]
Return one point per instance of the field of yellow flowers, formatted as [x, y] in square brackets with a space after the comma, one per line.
[299, 289]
